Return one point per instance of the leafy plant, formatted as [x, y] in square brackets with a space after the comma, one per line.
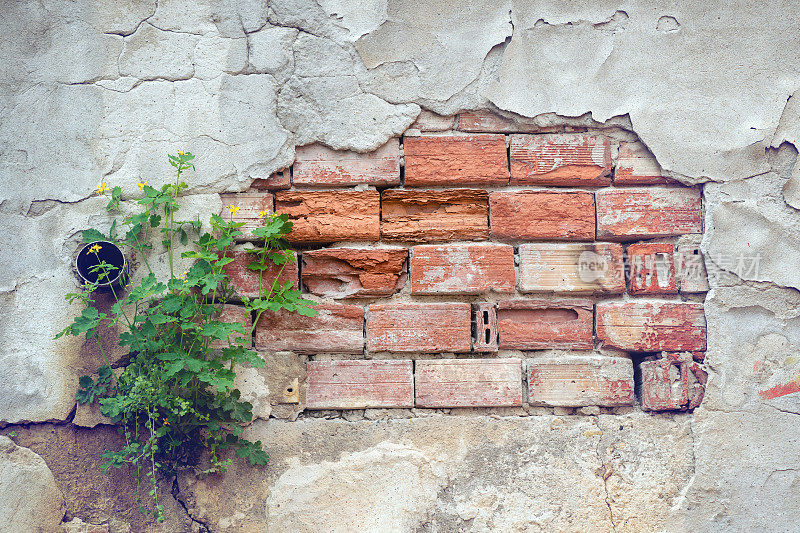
[176, 396]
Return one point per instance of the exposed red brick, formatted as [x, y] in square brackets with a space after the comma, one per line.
[277, 181]
[244, 282]
[251, 205]
[359, 384]
[593, 268]
[318, 166]
[576, 381]
[549, 215]
[431, 216]
[486, 327]
[462, 268]
[637, 166]
[431, 327]
[469, 383]
[354, 272]
[672, 383]
[231, 314]
[542, 324]
[633, 213]
[331, 216]
[335, 329]
[652, 268]
[563, 159]
[456, 160]
[652, 326]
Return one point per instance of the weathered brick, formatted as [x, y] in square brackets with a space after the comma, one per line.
[485, 327]
[318, 166]
[277, 181]
[462, 268]
[432, 216]
[591, 268]
[244, 282]
[548, 215]
[674, 382]
[652, 268]
[690, 268]
[230, 314]
[651, 326]
[251, 205]
[566, 380]
[487, 121]
[335, 329]
[469, 383]
[562, 159]
[359, 384]
[637, 166]
[331, 216]
[541, 324]
[429, 121]
[632, 213]
[354, 272]
[430, 327]
[456, 160]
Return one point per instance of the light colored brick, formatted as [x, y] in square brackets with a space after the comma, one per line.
[462, 268]
[277, 181]
[336, 328]
[633, 213]
[429, 121]
[571, 268]
[250, 205]
[546, 215]
[456, 160]
[487, 121]
[569, 159]
[331, 216]
[244, 282]
[428, 327]
[637, 166]
[354, 272]
[652, 268]
[690, 266]
[651, 326]
[231, 314]
[566, 380]
[318, 166]
[469, 383]
[359, 384]
[434, 216]
[543, 324]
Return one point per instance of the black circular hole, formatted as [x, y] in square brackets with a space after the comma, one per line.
[90, 256]
[289, 389]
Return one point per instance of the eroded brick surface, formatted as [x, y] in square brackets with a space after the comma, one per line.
[570, 159]
[277, 181]
[580, 380]
[546, 215]
[468, 382]
[419, 327]
[354, 272]
[542, 324]
[632, 213]
[245, 282]
[571, 268]
[462, 268]
[652, 268]
[637, 166]
[331, 216]
[485, 327]
[434, 216]
[319, 166]
[456, 160]
[652, 326]
[359, 384]
[336, 328]
[673, 382]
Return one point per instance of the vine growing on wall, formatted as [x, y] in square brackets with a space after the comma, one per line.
[176, 397]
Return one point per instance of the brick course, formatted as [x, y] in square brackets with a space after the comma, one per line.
[570, 159]
[359, 384]
[434, 216]
[318, 166]
[354, 272]
[331, 216]
[336, 328]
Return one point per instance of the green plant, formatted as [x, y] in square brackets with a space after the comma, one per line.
[176, 396]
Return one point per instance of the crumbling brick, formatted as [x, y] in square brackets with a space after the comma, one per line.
[570, 159]
[456, 160]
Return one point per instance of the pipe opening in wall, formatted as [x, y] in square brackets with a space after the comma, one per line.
[103, 263]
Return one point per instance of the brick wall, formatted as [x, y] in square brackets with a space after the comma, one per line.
[470, 265]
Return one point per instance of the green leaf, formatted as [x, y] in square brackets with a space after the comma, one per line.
[92, 235]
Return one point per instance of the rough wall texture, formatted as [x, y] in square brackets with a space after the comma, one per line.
[102, 90]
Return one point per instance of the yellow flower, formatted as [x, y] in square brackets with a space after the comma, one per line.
[142, 185]
[101, 189]
[232, 209]
[180, 152]
[166, 422]
[94, 248]
[263, 214]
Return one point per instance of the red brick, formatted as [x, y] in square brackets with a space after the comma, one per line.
[632, 213]
[244, 282]
[431, 327]
[543, 324]
[359, 384]
[431, 216]
[331, 216]
[592, 268]
[562, 159]
[354, 272]
[335, 329]
[672, 383]
[456, 160]
[277, 181]
[652, 268]
[469, 383]
[637, 166]
[231, 314]
[486, 327]
[580, 380]
[250, 205]
[548, 215]
[318, 166]
[462, 268]
[652, 326]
